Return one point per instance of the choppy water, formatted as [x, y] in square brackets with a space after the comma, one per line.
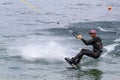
[33, 48]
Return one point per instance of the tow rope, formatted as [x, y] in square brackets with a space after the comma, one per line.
[52, 19]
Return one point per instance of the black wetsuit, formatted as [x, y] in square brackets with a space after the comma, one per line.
[97, 50]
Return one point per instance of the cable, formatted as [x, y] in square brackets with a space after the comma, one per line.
[52, 19]
[37, 10]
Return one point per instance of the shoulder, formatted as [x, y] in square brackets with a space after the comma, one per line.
[98, 38]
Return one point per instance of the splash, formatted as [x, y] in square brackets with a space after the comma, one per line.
[50, 52]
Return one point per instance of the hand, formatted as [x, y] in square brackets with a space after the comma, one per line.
[79, 36]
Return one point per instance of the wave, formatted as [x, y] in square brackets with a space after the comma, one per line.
[105, 30]
[109, 49]
[117, 40]
[102, 29]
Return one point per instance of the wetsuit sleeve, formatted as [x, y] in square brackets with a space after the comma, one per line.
[89, 42]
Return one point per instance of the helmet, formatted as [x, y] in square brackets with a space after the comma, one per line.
[92, 31]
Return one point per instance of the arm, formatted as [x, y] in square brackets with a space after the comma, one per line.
[87, 42]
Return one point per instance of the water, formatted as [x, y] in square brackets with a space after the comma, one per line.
[33, 48]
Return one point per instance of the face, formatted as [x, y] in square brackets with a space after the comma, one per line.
[93, 35]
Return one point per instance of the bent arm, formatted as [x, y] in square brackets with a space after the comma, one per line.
[88, 42]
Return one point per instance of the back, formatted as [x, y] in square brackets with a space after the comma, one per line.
[97, 45]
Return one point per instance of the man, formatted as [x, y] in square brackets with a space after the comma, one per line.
[96, 42]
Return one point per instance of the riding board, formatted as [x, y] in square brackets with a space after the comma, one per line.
[72, 65]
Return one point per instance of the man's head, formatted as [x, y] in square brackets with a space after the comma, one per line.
[93, 33]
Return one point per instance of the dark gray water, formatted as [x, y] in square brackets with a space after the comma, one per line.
[33, 48]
